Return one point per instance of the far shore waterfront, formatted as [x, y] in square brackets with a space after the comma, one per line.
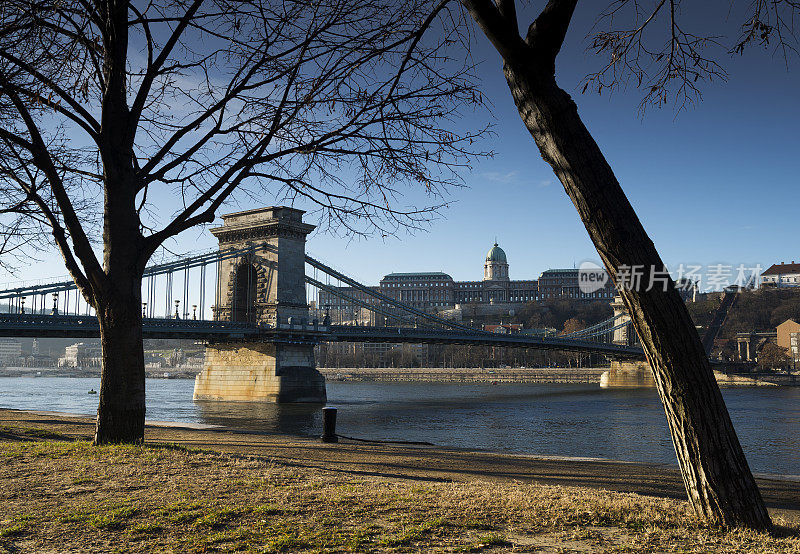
[195, 487]
[554, 375]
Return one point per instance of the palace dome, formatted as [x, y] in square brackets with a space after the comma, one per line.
[497, 255]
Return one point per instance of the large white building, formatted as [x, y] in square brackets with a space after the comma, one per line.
[565, 283]
[80, 355]
[782, 275]
[437, 291]
[496, 294]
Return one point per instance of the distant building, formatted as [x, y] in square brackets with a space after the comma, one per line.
[785, 331]
[794, 346]
[422, 290]
[782, 275]
[80, 355]
[154, 361]
[10, 351]
[435, 291]
[563, 283]
[496, 287]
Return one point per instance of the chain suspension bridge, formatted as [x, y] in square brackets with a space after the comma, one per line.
[259, 292]
[57, 309]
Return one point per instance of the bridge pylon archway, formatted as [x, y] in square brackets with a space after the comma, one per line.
[244, 293]
[266, 286]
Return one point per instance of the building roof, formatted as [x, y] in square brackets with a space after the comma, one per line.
[496, 254]
[783, 269]
[562, 270]
[418, 274]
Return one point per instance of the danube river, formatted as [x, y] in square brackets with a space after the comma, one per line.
[549, 420]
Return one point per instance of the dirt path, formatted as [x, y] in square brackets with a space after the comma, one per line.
[415, 462]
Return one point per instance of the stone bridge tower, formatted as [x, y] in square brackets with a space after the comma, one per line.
[621, 312]
[626, 374]
[265, 286]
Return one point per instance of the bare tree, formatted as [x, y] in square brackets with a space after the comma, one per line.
[125, 103]
[669, 65]
[773, 356]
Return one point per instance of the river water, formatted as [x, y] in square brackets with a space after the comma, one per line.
[551, 420]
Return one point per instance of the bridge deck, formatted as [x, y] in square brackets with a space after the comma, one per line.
[28, 325]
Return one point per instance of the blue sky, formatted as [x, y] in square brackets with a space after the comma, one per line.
[715, 184]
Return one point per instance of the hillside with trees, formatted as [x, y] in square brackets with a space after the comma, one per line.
[760, 310]
[556, 314]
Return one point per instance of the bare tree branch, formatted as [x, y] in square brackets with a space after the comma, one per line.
[503, 34]
[667, 70]
[547, 32]
[41, 156]
[204, 100]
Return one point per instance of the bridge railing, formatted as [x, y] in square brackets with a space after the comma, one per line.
[182, 288]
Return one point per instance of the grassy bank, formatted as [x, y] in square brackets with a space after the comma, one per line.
[63, 495]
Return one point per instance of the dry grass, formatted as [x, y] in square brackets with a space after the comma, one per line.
[70, 496]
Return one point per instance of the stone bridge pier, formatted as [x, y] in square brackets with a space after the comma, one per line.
[265, 286]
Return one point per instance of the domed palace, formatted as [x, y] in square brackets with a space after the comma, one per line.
[495, 295]
[496, 266]
[439, 291]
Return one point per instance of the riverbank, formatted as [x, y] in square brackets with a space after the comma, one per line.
[553, 375]
[193, 489]
[94, 372]
[578, 420]
[540, 375]
[466, 374]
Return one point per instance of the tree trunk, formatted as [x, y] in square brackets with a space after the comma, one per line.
[118, 293]
[120, 414]
[718, 480]
[118, 300]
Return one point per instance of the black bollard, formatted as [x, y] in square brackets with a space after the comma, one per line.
[329, 425]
